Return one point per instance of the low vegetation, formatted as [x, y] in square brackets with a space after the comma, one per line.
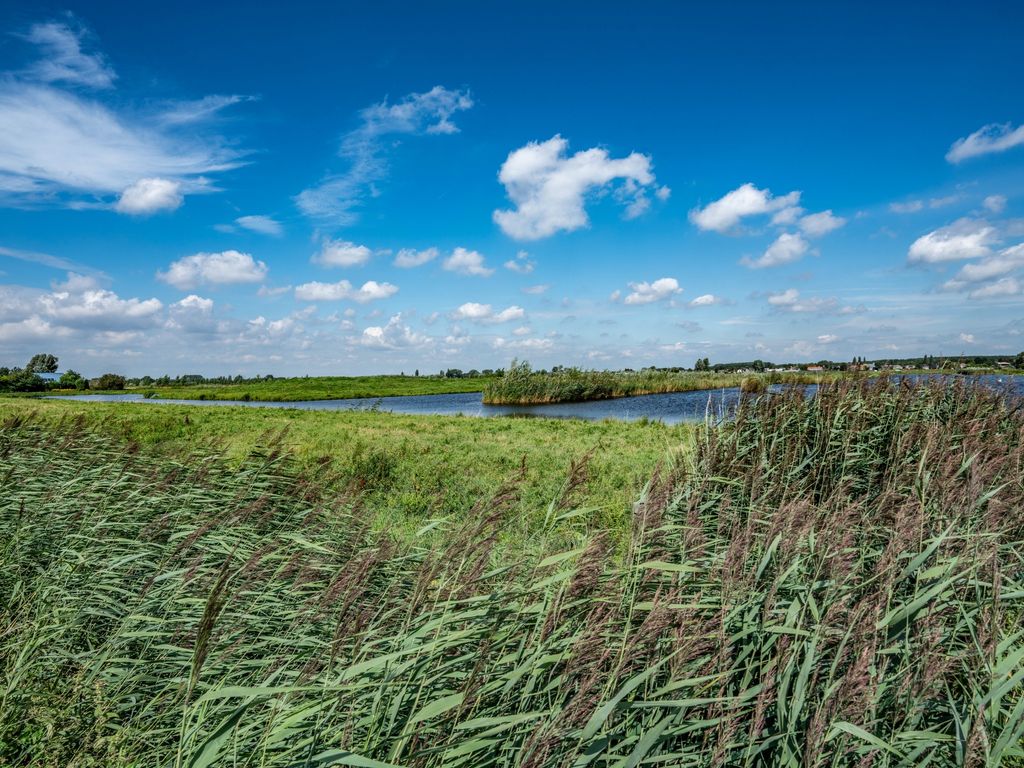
[316, 388]
[832, 581]
[521, 385]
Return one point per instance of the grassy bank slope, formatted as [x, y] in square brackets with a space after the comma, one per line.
[320, 388]
[520, 386]
[832, 582]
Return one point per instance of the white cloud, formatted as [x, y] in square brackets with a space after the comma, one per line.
[786, 248]
[466, 262]
[786, 298]
[61, 147]
[394, 335]
[410, 257]
[995, 203]
[343, 290]
[341, 253]
[820, 224]
[747, 200]
[967, 338]
[964, 239]
[910, 206]
[915, 206]
[484, 313]
[265, 225]
[521, 263]
[658, 290]
[986, 140]
[339, 196]
[1002, 263]
[787, 216]
[149, 196]
[1006, 286]
[63, 60]
[224, 268]
[706, 300]
[549, 188]
[532, 345]
[536, 290]
[828, 338]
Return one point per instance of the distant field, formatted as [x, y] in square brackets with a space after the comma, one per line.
[320, 388]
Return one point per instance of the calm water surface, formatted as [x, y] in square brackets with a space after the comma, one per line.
[671, 408]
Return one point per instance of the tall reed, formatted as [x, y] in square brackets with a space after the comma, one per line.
[827, 581]
[520, 385]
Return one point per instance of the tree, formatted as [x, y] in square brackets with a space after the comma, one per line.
[72, 380]
[110, 381]
[42, 363]
[1018, 361]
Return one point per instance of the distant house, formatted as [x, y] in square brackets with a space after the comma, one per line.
[1004, 364]
[815, 368]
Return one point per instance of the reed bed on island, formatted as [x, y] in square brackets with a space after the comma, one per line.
[826, 581]
[520, 385]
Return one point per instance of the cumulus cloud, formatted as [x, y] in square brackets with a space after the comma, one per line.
[658, 290]
[1005, 286]
[706, 300]
[521, 263]
[78, 307]
[339, 196]
[265, 225]
[995, 203]
[747, 200]
[408, 258]
[224, 268]
[60, 146]
[466, 262]
[820, 224]
[342, 290]
[786, 248]
[790, 300]
[989, 139]
[1003, 270]
[393, 335]
[149, 196]
[967, 338]
[484, 313]
[341, 253]
[964, 239]
[549, 188]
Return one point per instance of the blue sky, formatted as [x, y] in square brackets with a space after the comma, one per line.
[358, 188]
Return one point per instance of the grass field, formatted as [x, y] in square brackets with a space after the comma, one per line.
[410, 468]
[835, 581]
[319, 388]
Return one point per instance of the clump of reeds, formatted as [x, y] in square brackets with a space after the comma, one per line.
[520, 385]
[829, 581]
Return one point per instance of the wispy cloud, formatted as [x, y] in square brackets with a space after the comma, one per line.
[987, 140]
[339, 196]
[60, 144]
